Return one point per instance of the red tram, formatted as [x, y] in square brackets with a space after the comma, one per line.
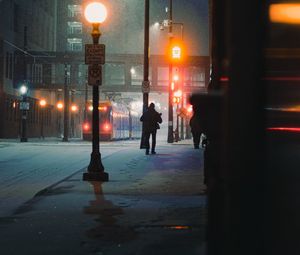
[116, 122]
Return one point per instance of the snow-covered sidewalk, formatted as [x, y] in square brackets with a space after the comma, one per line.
[152, 204]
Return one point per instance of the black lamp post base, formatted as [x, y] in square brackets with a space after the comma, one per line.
[95, 176]
[23, 139]
[95, 169]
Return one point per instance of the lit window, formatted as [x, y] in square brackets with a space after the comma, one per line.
[74, 44]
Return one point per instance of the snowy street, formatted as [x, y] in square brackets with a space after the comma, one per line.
[152, 204]
[27, 168]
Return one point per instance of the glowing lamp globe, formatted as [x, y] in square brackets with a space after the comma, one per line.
[95, 12]
[60, 105]
[43, 102]
[23, 90]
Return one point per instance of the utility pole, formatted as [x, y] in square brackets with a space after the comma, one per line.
[170, 114]
[66, 106]
[24, 96]
[146, 84]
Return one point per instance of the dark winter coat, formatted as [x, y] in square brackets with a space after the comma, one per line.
[151, 118]
[195, 124]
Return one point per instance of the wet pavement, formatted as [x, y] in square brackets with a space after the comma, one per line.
[152, 204]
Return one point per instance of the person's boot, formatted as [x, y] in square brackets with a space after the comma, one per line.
[147, 152]
[153, 152]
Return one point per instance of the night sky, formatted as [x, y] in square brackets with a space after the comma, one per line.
[123, 29]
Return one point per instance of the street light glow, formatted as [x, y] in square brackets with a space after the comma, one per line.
[74, 108]
[95, 12]
[60, 105]
[43, 102]
[178, 93]
[285, 13]
[23, 89]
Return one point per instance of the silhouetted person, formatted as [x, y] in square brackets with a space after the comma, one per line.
[151, 118]
[196, 128]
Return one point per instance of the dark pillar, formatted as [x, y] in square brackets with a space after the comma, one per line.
[170, 111]
[146, 68]
[66, 107]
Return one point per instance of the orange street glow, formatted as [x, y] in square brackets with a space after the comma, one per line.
[60, 105]
[43, 102]
[178, 93]
[74, 108]
[102, 108]
[172, 85]
[176, 52]
[285, 13]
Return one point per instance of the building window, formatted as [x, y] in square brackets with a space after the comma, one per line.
[74, 44]
[114, 74]
[37, 73]
[74, 28]
[74, 10]
[194, 77]
[9, 65]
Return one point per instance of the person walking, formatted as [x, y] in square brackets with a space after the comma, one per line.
[151, 119]
[196, 129]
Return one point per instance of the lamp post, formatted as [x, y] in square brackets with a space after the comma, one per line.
[170, 108]
[74, 110]
[24, 107]
[162, 25]
[66, 109]
[146, 84]
[60, 107]
[42, 104]
[95, 13]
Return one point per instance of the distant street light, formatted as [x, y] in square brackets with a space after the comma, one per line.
[24, 107]
[74, 108]
[66, 107]
[43, 104]
[59, 107]
[96, 13]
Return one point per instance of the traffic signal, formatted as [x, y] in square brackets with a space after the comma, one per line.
[176, 100]
[176, 52]
[177, 96]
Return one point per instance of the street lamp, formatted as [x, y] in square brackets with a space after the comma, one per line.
[66, 106]
[43, 104]
[176, 56]
[24, 107]
[59, 107]
[95, 13]
[74, 109]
